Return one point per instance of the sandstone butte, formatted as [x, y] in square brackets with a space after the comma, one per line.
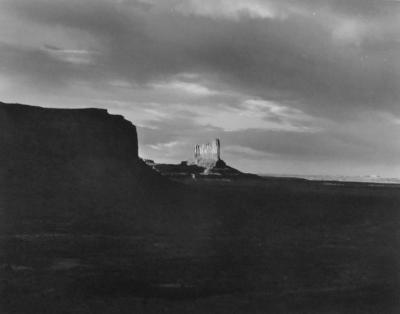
[208, 155]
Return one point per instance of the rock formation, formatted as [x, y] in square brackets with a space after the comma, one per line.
[65, 134]
[208, 155]
[71, 163]
[209, 151]
[207, 164]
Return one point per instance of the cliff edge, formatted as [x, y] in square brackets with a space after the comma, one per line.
[64, 134]
[77, 166]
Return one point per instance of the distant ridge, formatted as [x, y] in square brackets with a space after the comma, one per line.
[339, 178]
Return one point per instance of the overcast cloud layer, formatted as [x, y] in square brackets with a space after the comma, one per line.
[301, 87]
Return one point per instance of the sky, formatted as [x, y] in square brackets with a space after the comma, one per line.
[289, 86]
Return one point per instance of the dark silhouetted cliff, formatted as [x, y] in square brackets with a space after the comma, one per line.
[76, 166]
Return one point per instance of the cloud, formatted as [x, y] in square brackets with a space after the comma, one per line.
[299, 58]
[190, 88]
[247, 152]
[257, 114]
[164, 146]
[231, 9]
[76, 56]
[246, 114]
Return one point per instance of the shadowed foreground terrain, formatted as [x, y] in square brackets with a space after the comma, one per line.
[87, 227]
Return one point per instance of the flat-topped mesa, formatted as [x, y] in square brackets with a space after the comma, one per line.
[66, 134]
[208, 155]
